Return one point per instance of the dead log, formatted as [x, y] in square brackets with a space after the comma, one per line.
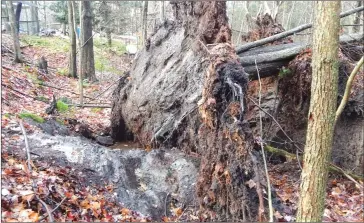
[276, 37]
[180, 93]
[271, 59]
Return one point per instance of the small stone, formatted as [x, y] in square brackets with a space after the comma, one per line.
[105, 140]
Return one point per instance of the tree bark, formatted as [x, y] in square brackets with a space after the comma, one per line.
[14, 32]
[273, 38]
[357, 18]
[17, 15]
[161, 11]
[35, 18]
[72, 70]
[105, 12]
[87, 50]
[145, 22]
[320, 130]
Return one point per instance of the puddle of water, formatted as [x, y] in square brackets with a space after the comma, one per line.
[126, 145]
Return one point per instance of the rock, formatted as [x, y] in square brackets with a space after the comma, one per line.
[142, 179]
[105, 140]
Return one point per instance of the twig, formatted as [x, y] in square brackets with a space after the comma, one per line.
[10, 88]
[30, 171]
[62, 89]
[60, 203]
[263, 152]
[104, 90]
[349, 84]
[280, 127]
[165, 203]
[332, 167]
[90, 105]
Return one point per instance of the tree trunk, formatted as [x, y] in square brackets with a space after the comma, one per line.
[105, 12]
[356, 27]
[17, 15]
[184, 93]
[87, 50]
[14, 32]
[72, 70]
[320, 130]
[145, 21]
[80, 44]
[35, 18]
[161, 11]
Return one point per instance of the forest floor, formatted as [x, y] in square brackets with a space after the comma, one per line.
[27, 94]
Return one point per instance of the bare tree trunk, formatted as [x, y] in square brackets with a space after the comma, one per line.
[35, 18]
[72, 70]
[161, 11]
[288, 24]
[17, 15]
[145, 21]
[80, 43]
[45, 14]
[14, 32]
[356, 27]
[87, 50]
[105, 12]
[320, 130]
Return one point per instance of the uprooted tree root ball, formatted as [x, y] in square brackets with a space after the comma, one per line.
[187, 89]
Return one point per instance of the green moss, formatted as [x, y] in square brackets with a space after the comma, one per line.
[42, 98]
[63, 71]
[96, 110]
[35, 117]
[284, 72]
[61, 106]
[7, 115]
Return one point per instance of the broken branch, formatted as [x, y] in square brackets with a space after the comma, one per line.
[282, 35]
[349, 84]
[332, 168]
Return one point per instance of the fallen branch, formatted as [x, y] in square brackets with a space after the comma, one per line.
[282, 35]
[332, 168]
[104, 90]
[30, 171]
[91, 105]
[271, 59]
[270, 205]
[60, 203]
[61, 89]
[349, 84]
[19, 92]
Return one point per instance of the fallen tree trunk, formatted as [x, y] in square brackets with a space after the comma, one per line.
[271, 59]
[180, 93]
[273, 38]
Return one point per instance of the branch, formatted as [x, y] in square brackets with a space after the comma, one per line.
[349, 84]
[263, 153]
[30, 171]
[273, 38]
[332, 168]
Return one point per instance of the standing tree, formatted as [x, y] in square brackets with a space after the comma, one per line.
[356, 27]
[87, 45]
[145, 21]
[60, 10]
[17, 15]
[321, 117]
[35, 18]
[14, 32]
[161, 10]
[105, 12]
[72, 70]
